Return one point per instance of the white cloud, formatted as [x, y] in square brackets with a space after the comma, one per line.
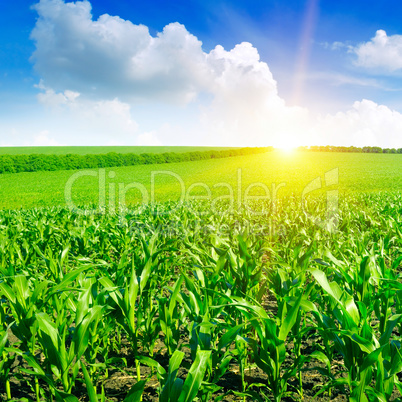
[83, 121]
[383, 52]
[337, 45]
[42, 140]
[52, 99]
[339, 79]
[366, 123]
[148, 138]
[98, 74]
[110, 116]
[112, 57]
[104, 110]
[246, 108]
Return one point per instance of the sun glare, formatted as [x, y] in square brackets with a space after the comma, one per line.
[287, 149]
[285, 144]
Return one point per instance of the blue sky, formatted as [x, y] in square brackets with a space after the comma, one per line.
[201, 73]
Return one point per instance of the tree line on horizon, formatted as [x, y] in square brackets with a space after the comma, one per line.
[44, 162]
[331, 148]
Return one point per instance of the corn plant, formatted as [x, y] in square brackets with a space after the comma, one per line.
[76, 288]
[6, 361]
[355, 340]
[172, 388]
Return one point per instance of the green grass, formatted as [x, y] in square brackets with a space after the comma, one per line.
[357, 172]
[99, 150]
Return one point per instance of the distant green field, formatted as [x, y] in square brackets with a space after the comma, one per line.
[99, 150]
[287, 173]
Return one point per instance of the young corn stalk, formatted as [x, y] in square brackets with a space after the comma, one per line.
[270, 350]
[365, 356]
[127, 304]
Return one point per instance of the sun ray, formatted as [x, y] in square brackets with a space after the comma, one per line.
[305, 44]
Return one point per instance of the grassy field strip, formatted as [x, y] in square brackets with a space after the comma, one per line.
[357, 172]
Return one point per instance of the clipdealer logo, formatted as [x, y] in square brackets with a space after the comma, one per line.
[112, 195]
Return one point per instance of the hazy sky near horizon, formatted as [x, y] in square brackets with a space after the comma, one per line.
[238, 73]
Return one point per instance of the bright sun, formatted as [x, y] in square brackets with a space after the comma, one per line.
[287, 142]
[288, 148]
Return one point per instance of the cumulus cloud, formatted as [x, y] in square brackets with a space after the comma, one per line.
[112, 57]
[366, 123]
[106, 122]
[382, 52]
[246, 108]
[51, 98]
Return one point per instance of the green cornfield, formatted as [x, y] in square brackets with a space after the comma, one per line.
[182, 302]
